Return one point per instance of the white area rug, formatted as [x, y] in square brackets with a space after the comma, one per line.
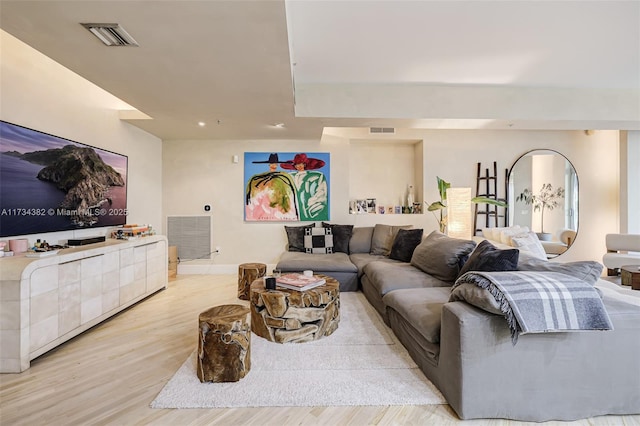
[361, 363]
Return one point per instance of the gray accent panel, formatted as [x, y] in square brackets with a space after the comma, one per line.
[191, 235]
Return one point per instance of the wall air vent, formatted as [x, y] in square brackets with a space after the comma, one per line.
[111, 34]
[385, 130]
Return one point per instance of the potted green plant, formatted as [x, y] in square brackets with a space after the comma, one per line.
[441, 205]
[547, 198]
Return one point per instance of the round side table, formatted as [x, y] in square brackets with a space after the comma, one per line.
[248, 273]
[291, 316]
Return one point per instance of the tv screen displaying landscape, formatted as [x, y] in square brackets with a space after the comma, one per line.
[48, 183]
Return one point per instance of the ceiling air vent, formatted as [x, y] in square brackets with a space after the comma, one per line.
[111, 34]
[386, 130]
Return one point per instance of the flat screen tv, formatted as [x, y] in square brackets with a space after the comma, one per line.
[48, 184]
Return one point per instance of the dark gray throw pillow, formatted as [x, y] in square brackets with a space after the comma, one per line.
[586, 270]
[341, 236]
[488, 258]
[441, 256]
[405, 243]
[295, 237]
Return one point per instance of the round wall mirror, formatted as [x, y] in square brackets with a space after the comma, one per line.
[543, 195]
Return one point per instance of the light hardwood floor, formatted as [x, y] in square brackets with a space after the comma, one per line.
[111, 373]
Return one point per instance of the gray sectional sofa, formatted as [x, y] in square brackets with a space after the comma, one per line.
[467, 351]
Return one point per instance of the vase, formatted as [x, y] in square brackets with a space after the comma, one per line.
[410, 197]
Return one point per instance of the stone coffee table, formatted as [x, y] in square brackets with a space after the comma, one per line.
[291, 316]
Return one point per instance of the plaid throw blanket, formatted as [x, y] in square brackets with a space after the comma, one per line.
[539, 302]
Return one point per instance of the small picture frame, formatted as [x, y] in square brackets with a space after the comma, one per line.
[371, 206]
[361, 206]
[398, 209]
[381, 210]
[390, 210]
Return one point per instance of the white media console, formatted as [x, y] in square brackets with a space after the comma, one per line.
[47, 301]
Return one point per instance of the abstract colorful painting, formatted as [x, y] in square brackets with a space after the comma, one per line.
[286, 186]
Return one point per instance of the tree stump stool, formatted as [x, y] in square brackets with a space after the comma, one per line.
[248, 273]
[291, 316]
[224, 353]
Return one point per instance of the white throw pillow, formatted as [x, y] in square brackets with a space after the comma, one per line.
[507, 233]
[493, 234]
[529, 242]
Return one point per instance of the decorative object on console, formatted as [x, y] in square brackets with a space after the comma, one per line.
[19, 246]
[86, 240]
[69, 185]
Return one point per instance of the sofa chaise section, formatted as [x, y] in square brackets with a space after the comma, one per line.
[550, 376]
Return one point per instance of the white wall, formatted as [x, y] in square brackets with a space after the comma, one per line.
[179, 177]
[43, 95]
[201, 172]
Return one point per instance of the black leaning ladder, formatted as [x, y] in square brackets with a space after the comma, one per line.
[491, 213]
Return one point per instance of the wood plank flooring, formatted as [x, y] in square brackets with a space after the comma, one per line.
[110, 374]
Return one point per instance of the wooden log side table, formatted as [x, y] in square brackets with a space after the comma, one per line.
[291, 316]
[248, 273]
[224, 344]
[630, 275]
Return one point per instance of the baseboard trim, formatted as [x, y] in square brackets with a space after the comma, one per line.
[212, 269]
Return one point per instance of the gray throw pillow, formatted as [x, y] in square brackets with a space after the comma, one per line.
[341, 236]
[488, 258]
[441, 256]
[383, 236]
[295, 237]
[405, 243]
[586, 270]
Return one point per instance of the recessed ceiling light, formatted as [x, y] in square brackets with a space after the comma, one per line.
[279, 125]
[201, 123]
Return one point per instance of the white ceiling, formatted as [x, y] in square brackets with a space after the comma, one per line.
[233, 61]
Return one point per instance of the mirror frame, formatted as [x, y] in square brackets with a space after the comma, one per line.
[511, 202]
